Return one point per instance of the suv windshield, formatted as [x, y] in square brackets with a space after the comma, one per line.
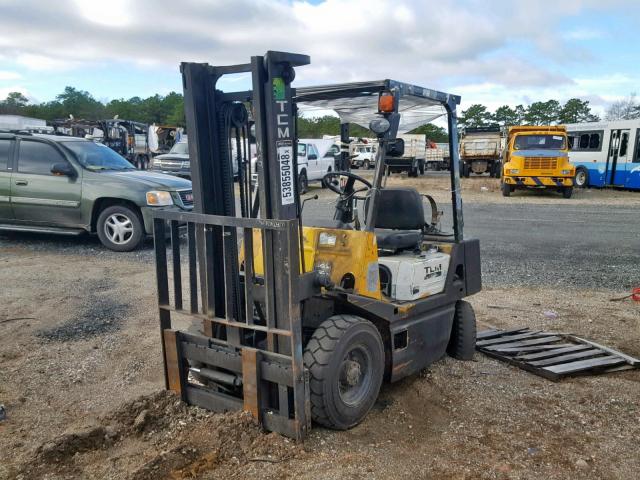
[96, 156]
[180, 148]
[540, 142]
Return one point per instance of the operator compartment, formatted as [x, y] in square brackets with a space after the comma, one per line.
[413, 275]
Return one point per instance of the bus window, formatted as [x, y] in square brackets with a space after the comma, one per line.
[594, 141]
[637, 157]
[624, 140]
[584, 141]
[572, 141]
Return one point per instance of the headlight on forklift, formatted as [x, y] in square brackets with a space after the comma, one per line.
[159, 199]
[514, 171]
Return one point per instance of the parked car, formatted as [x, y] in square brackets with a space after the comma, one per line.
[176, 162]
[70, 185]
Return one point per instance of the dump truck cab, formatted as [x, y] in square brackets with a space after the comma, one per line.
[537, 157]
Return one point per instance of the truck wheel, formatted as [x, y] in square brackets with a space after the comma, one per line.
[345, 357]
[421, 168]
[303, 182]
[582, 177]
[413, 172]
[462, 342]
[506, 189]
[567, 192]
[120, 228]
[366, 164]
[465, 170]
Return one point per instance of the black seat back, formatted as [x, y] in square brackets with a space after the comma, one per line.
[399, 209]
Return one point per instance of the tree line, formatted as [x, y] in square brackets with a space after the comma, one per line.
[169, 110]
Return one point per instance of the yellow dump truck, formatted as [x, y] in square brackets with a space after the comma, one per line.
[537, 157]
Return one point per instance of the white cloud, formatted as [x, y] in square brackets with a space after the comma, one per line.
[511, 49]
[4, 91]
[7, 75]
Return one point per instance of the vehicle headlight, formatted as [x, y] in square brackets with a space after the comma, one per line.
[514, 171]
[159, 199]
[566, 172]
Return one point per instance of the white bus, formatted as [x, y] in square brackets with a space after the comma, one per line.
[606, 153]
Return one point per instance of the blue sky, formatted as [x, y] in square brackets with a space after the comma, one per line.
[491, 52]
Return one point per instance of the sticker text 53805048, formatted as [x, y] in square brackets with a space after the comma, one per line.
[285, 158]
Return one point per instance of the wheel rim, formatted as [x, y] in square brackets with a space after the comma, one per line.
[581, 178]
[118, 228]
[355, 375]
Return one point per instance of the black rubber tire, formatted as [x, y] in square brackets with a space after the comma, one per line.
[413, 172]
[137, 237]
[323, 356]
[581, 180]
[366, 164]
[303, 183]
[506, 189]
[466, 171]
[498, 170]
[421, 168]
[462, 342]
[567, 192]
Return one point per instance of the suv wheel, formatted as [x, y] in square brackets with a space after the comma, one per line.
[120, 228]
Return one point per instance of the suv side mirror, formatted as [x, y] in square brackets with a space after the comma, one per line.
[312, 156]
[63, 169]
[395, 148]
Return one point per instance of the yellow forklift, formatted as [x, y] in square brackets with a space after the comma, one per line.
[303, 320]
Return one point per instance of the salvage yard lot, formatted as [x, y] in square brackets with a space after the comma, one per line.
[79, 337]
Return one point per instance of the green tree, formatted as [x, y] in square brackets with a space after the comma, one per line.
[433, 132]
[80, 104]
[576, 111]
[505, 116]
[543, 113]
[476, 115]
[13, 104]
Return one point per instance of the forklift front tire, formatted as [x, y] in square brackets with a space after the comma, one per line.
[462, 342]
[345, 357]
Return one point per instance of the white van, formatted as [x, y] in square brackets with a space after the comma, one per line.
[316, 158]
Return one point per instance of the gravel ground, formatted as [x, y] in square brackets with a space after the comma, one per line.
[79, 339]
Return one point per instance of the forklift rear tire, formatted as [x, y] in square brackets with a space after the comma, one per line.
[345, 357]
[462, 343]
[303, 183]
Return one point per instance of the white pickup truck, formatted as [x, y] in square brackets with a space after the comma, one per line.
[316, 158]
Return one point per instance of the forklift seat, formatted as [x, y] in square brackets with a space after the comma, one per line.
[399, 220]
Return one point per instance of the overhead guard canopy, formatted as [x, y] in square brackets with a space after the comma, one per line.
[357, 102]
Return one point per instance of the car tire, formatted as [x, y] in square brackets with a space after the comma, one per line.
[345, 358]
[581, 179]
[506, 189]
[567, 192]
[120, 228]
[303, 182]
[462, 342]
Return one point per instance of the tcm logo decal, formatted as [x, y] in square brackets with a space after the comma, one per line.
[432, 272]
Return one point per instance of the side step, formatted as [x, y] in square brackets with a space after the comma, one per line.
[36, 229]
[552, 355]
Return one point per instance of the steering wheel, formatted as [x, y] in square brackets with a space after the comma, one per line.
[347, 191]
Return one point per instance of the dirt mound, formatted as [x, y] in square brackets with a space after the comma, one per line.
[158, 436]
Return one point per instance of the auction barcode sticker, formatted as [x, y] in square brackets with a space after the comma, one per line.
[285, 158]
